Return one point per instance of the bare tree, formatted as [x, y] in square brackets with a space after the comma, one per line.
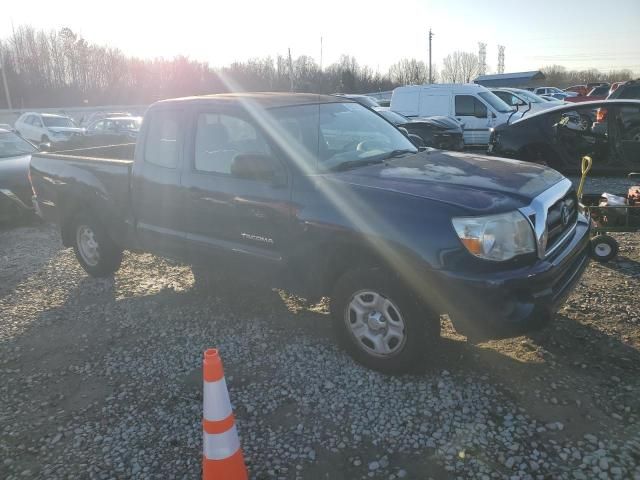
[460, 67]
[409, 72]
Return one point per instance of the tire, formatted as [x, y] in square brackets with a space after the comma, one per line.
[94, 249]
[603, 248]
[391, 308]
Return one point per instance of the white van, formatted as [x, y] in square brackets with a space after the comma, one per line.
[474, 106]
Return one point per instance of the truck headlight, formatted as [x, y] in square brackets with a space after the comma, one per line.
[496, 237]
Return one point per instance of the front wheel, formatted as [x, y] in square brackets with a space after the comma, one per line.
[380, 323]
[94, 249]
[603, 248]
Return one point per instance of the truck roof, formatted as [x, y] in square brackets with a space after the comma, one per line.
[264, 99]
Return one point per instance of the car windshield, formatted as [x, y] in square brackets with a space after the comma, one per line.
[11, 145]
[555, 90]
[496, 102]
[393, 117]
[332, 136]
[529, 96]
[58, 122]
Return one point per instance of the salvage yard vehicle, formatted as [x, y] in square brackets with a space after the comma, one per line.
[15, 191]
[522, 99]
[474, 106]
[554, 92]
[561, 136]
[323, 197]
[46, 127]
[597, 93]
[440, 132]
[104, 132]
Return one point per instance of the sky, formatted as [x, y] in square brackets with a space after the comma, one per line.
[578, 35]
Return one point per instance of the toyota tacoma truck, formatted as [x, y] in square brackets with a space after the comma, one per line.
[324, 197]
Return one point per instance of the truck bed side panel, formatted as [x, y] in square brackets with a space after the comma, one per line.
[68, 185]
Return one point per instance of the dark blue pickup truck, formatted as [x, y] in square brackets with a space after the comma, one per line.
[324, 197]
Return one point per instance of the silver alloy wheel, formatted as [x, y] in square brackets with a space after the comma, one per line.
[87, 245]
[602, 249]
[375, 323]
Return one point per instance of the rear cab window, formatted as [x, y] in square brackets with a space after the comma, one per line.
[163, 139]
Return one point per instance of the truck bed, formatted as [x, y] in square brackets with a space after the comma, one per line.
[68, 184]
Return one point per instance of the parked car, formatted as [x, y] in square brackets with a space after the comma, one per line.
[444, 133]
[95, 116]
[581, 90]
[15, 191]
[629, 90]
[524, 100]
[108, 131]
[560, 137]
[554, 92]
[597, 93]
[46, 127]
[474, 106]
[365, 100]
[323, 197]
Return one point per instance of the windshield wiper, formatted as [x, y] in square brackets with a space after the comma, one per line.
[355, 163]
[372, 160]
[397, 153]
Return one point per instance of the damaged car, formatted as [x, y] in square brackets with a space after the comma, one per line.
[608, 131]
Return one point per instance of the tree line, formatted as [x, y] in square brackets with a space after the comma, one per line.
[62, 69]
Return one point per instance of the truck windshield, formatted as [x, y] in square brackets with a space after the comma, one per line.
[58, 122]
[331, 135]
[496, 102]
[11, 145]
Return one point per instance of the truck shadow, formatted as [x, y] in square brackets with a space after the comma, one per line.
[624, 265]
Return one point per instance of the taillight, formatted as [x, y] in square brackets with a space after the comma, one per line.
[601, 115]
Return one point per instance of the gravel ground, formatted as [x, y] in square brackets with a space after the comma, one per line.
[101, 379]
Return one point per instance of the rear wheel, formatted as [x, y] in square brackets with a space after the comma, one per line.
[603, 248]
[94, 249]
[379, 322]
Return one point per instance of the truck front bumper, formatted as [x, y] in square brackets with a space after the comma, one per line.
[511, 303]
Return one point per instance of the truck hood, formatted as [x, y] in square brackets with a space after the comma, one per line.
[477, 183]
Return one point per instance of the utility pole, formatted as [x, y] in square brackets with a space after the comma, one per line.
[290, 70]
[321, 53]
[4, 79]
[430, 74]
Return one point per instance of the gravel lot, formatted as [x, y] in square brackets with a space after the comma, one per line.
[101, 379]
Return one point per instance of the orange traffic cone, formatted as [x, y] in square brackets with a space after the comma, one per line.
[222, 456]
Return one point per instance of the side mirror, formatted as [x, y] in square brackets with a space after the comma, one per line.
[255, 166]
[44, 147]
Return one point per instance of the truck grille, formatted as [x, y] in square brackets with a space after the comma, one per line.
[561, 217]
